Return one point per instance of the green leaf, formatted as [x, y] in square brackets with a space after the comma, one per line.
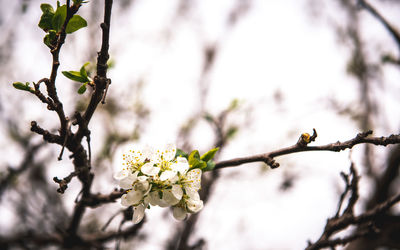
[210, 166]
[194, 157]
[46, 20]
[59, 17]
[25, 87]
[209, 155]
[75, 76]
[83, 70]
[201, 164]
[45, 7]
[75, 23]
[50, 39]
[82, 89]
[181, 153]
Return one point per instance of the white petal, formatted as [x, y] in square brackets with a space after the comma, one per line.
[135, 156]
[133, 197]
[124, 201]
[181, 166]
[153, 198]
[142, 186]
[194, 179]
[149, 169]
[177, 191]
[169, 198]
[138, 213]
[180, 159]
[192, 193]
[194, 205]
[162, 203]
[167, 175]
[174, 179]
[148, 190]
[148, 152]
[142, 178]
[127, 182]
[169, 152]
[179, 213]
[121, 174]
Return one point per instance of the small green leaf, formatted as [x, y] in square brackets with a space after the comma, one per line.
[59, 17]
[194, 157]
[194, 160]
[75, 23]
[200, 164]
[75, 76]
[50, 39]
[82, 89]
[210, 166]
[46, 19]
[209, 155]
[25, 87]
[45, 7]
[181, 153]
[83, 70]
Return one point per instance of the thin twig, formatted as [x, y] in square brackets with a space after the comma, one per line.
[392, 30]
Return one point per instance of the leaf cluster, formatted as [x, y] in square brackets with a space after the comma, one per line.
[52, 22]
[79, 76]
[204, 162]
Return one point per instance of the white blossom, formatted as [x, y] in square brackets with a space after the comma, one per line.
[155, 177]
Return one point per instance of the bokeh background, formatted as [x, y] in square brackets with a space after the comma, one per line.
[247, 75]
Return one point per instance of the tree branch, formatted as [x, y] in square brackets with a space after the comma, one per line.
[51, 83]
[100, 80]
[339, 223]
[335, 147]
[80, 158]
[392, 30]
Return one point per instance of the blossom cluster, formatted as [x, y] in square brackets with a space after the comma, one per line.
[159, 178]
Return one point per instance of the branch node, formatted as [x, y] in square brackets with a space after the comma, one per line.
[103, 100]
[306, 138]
[271, 162]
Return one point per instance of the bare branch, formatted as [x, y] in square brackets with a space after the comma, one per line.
[340, 223]
[47, 136]
[335, 147]
[392, 30]
[100, 80]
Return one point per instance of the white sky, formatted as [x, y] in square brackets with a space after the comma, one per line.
[275, 46]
